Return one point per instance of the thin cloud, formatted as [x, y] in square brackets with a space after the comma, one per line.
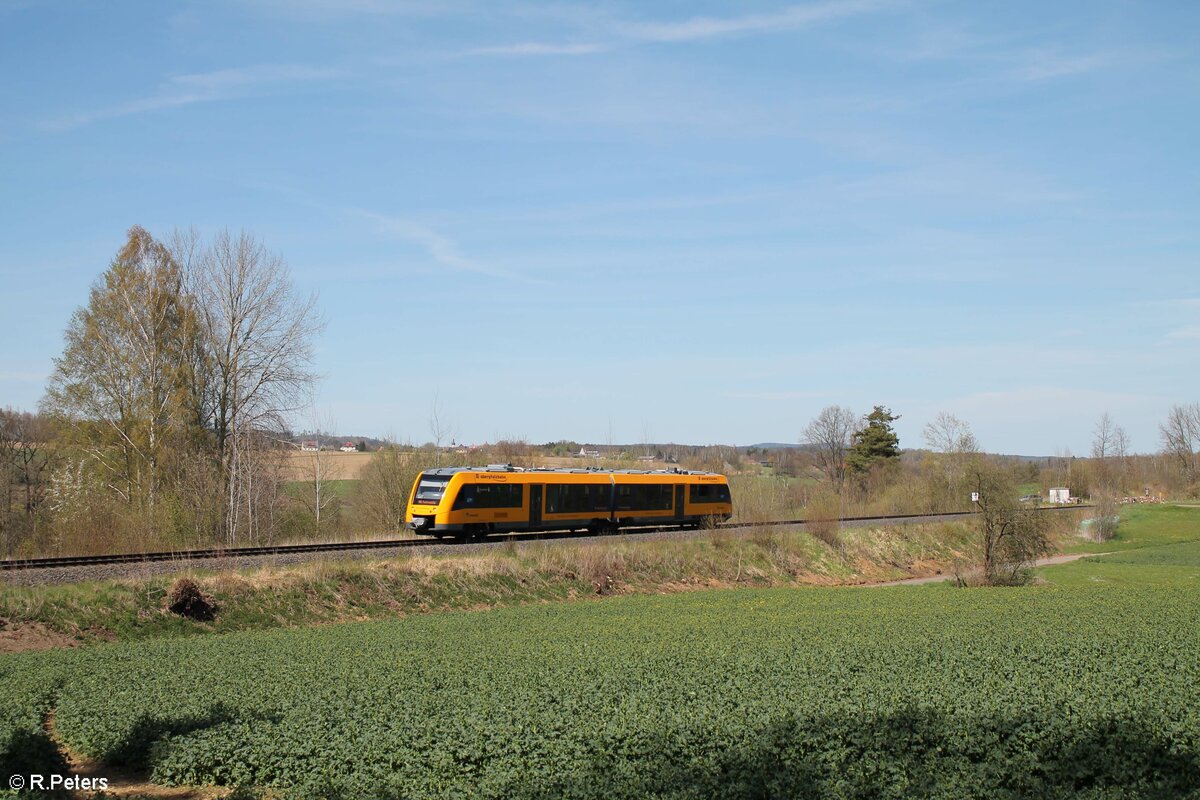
[772, 395]
[699, 28]
[440, 248]
[225, 80]
[1189, 332]
[1047, 66]
[540, 49]
[324, 9]
[201, 87]
[694, 29]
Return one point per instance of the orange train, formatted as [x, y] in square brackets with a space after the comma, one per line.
[474, 501]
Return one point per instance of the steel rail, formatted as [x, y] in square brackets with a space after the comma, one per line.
[383, 544]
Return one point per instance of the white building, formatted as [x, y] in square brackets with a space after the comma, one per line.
[1060, 494]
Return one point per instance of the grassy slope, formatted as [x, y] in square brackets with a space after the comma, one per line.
[1154, 546]
[338, 591]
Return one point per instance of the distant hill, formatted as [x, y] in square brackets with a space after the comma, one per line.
[775, 446]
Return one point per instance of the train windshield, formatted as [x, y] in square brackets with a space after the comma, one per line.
[430, 488]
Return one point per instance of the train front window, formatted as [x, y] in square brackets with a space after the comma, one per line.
[430, 489]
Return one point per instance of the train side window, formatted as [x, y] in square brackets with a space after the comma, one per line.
[578, 498]
[490, 495]
[644, 497]
[600, 496]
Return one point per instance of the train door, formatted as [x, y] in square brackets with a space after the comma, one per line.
[679, 490]
[535, 504]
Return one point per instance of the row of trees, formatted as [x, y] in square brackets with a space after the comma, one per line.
[846, 446]
[174, 386]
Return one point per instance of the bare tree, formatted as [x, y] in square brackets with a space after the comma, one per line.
[829, 435]
[9, 442]
[947, 433]
[440, 428]
[1181, 438]
[1104, 437]
[1121, 443]
[257, 337]
[321, 468]
[27, 446]
[27, 459]
[1110, 445]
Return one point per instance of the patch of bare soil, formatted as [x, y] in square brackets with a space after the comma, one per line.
[17, 637]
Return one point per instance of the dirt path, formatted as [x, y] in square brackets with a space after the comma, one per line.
[1041, 562]
[123, 782]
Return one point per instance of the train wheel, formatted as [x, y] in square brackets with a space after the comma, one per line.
[472, 533]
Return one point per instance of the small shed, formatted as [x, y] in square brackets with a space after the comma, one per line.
[1060, 494]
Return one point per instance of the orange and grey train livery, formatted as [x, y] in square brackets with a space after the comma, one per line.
[472, 501]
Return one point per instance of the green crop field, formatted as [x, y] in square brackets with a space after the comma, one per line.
[1074, 688]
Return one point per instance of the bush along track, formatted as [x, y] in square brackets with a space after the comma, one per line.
[1038, 692]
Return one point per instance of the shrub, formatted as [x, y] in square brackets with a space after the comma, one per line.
[823, 519]
[1104, 525]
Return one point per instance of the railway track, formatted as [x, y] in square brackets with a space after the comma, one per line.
[236, 553]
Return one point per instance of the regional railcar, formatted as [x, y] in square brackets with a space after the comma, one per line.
[474, 501]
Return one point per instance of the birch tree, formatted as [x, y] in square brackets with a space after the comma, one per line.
[119, 383]
[953, 438]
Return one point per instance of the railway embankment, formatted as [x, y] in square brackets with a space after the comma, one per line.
[331, 591]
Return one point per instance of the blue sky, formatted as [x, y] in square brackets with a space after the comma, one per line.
[698, 222]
